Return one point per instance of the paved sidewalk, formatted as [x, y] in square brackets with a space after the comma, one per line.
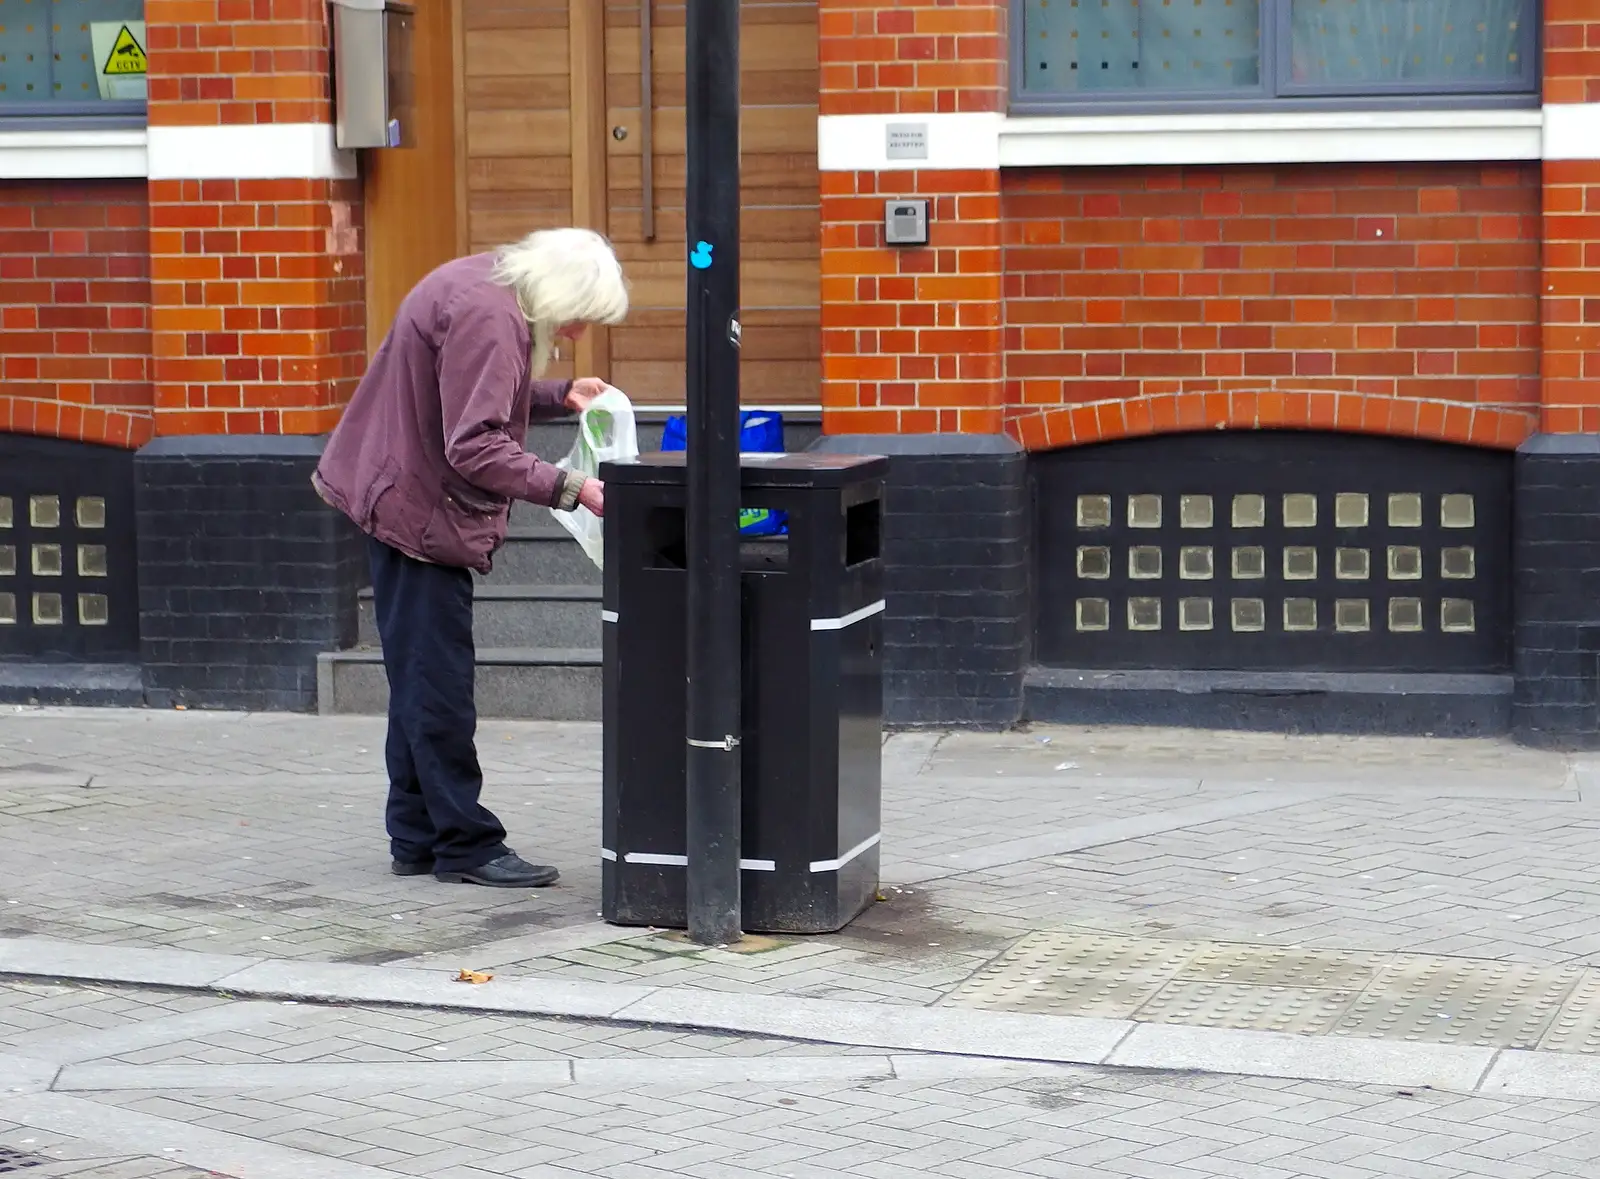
[1332, 913]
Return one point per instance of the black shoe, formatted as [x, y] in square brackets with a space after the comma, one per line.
[411, 867]
[509, 871]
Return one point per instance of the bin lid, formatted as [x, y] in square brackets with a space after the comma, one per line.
[807, 469]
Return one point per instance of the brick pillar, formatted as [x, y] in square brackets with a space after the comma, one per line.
[913, 344]
[255, 246]
[911, 337]
[1557, 642]
[259, 337]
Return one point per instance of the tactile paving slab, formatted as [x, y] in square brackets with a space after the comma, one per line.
[1460, 1001]
[1576, 1027]
[1404, 997]
[1076, 974]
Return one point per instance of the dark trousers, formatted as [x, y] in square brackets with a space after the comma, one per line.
[425, 622]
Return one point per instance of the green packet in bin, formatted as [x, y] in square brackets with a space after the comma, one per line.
[760, 432]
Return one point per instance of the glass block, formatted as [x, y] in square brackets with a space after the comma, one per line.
[1405, 614]
[44, 511]
[1456, 511]
[1144, 562]
[1299, 510]
[1405, 562]
[1352, 614]
[1299, 614]
[47, 560]
[1249, 511]
[1094, 511]
[8, 560]
[1144, 511]
[92, 560]
[1144, 613]
[94, 610]
[8, 609]
[1458, 564]
[1352, 564]
[1195, 564]
[47, 610]
[1249, 561]
[91, 511]
[1094, 614]
[1299, 563]
[1456, 616]
[1405, 510]
[1196, 511]
[1094, 560]
[6, 512]
[1194, 613]
[1350, 509]
[1249, 614]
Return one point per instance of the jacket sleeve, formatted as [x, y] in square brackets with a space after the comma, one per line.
[550, 400]
[480, 370]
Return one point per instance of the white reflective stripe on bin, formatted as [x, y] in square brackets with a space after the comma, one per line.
[666, 861]
[851, 618]
[835, 865]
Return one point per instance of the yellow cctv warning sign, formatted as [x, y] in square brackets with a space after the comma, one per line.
[126, 56]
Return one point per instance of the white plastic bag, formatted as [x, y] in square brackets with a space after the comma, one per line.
[606, 431]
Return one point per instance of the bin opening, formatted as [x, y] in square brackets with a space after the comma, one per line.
[667, 544]
[863, 532]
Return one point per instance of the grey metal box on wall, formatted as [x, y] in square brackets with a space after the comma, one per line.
[373, 81]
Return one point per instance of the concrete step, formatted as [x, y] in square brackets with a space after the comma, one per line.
[549, 616]
[538, 555]
[513, 683]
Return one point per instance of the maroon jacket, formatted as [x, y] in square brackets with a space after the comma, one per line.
[428, 455]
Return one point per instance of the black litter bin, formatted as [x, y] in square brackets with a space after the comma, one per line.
[812, 700]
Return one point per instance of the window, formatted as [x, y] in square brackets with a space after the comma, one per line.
[1209, 53]
[72, 57]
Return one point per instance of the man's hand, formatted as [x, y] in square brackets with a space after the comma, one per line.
[583, 391]
[593, 497]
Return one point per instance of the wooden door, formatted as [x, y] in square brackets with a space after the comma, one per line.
[411, 204]
[552, 92]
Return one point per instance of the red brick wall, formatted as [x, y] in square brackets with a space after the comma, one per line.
[903, 56]
[215, 62]
[911, 338]
[1393, 300]
[260, 323]
[75, 310]
[1571, 51]
[259, 313]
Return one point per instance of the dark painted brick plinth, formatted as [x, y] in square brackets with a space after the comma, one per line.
[245, 576]
[955, 536]
[1556, 592]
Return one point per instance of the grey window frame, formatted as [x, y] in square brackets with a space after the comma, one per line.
[1275, 91]
[113, 114]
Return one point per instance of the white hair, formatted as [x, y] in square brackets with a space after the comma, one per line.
[561, 277]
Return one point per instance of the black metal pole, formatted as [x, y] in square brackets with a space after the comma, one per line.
[714, 622]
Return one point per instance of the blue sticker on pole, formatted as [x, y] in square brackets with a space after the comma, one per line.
[700, 256]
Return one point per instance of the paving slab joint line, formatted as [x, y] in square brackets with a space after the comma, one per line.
[919, 1030]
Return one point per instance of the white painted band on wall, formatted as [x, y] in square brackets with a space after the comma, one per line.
[265, 151]
[860, 143]
[953, 141]
[835, 865]
[73, 155]
[851, 618]
[609, 616]
[607, 854]
[1572, 131]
